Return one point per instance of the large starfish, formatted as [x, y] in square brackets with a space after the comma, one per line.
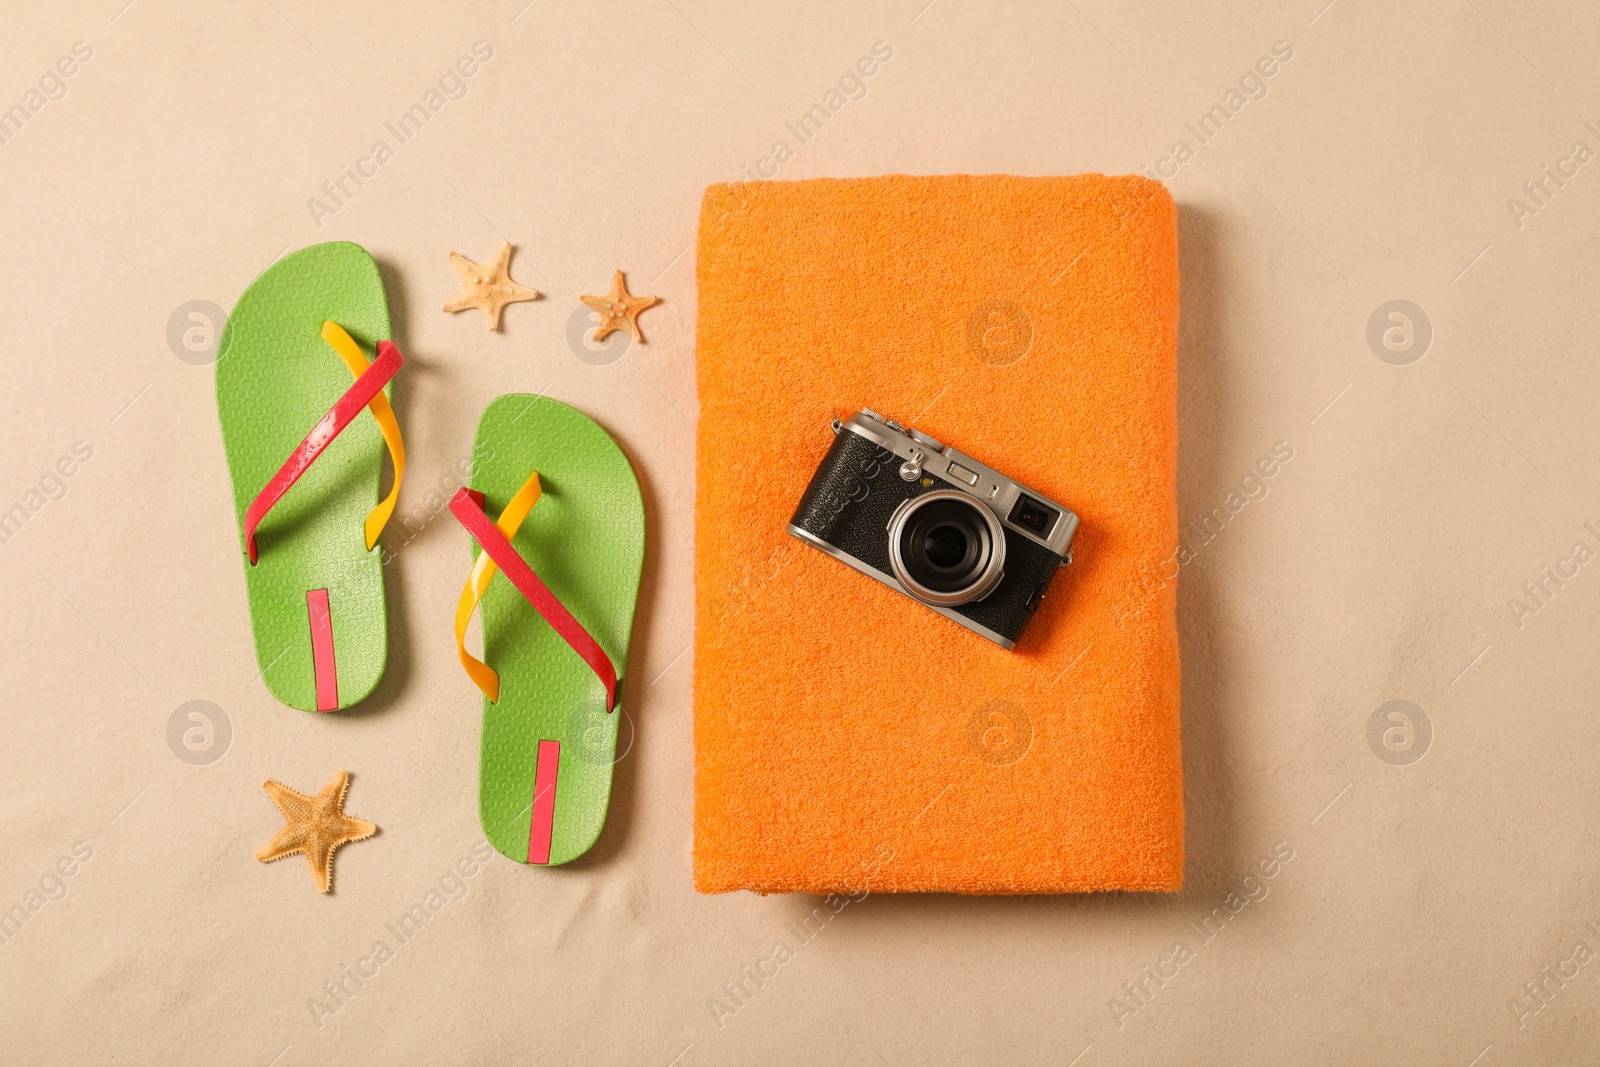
[487, 288]
[619, 309]
[317, 826]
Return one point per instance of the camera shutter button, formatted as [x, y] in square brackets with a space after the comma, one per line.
[911, 469]
[931, 442]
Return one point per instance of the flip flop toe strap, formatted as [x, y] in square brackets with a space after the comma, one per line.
[356, 360]
[483, 676]
[495, 539]
[368, 387]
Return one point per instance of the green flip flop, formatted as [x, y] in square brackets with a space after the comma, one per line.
[570, 541]
[308, 523]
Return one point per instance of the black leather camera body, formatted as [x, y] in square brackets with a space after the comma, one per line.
[937, 525]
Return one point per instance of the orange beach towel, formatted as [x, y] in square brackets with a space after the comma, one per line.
[846, 737]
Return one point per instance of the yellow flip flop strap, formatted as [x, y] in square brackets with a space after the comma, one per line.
[484, 676]
[353, 357]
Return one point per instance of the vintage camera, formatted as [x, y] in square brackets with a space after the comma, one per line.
[935, 524]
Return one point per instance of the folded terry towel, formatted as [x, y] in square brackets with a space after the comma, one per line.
[846, 737]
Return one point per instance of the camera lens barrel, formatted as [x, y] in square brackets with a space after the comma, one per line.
[946, 549]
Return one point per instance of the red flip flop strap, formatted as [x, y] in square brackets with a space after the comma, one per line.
[467, 507]
[354, 401]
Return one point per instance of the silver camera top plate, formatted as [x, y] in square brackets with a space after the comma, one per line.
[961, 471]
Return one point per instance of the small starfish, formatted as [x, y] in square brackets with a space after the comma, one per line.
[489, 289]
[619, 309]
[317, 826]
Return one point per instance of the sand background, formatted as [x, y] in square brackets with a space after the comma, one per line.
[1432, 874]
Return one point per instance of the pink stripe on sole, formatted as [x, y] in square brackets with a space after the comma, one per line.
[322, 661]
[544, 802]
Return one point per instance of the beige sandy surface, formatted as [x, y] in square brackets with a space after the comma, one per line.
[1443, 863]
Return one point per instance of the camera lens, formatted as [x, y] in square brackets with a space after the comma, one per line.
[946, 548]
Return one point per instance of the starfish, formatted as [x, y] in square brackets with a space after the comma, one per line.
[317, 826]
[619, 309]
[489, 289]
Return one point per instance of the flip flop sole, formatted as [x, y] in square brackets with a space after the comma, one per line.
[316, 595]
[585, 539]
